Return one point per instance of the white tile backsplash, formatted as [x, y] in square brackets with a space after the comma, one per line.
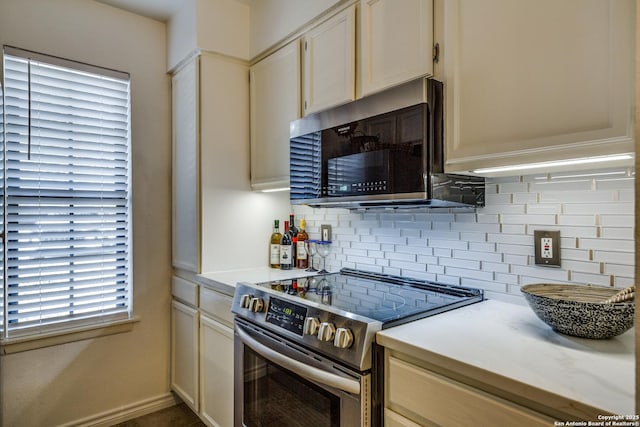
[492, 247]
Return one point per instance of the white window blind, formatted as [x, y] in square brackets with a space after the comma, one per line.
[66, 194]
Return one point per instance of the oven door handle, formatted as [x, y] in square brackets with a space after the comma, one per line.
[309, 372]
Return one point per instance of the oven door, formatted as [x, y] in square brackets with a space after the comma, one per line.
[280, 384]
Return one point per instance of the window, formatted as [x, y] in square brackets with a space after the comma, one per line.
[65, 194]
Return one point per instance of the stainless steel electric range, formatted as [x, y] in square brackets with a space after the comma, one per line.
[305, 351]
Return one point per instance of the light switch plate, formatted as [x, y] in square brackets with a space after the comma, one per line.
[325, 232]
[547, 246]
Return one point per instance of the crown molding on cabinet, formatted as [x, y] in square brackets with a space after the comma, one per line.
[200, 52]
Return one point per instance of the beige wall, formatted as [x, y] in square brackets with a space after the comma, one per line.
[220, 26]
[60, 384]
[182, 37]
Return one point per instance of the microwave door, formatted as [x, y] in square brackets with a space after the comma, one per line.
[359, 174]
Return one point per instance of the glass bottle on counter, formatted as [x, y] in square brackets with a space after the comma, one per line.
[292, 224]
[293, 232]
[302, 260]
[274, 246]
[286, 248]
[293, 289]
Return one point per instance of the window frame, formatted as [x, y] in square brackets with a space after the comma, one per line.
[67, 329]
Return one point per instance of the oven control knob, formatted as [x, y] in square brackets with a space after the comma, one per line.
[245, 300]
[256, 305]
[326, 332]
[343, 339]
[311, 326]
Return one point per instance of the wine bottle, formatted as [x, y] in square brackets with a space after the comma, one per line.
[274, 246]
[302, 260]
[293, 232]
[292, 225]
[286, 248]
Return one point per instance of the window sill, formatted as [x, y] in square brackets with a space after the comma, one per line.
[20, 344]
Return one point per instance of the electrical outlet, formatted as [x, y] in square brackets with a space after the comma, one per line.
[547, 247]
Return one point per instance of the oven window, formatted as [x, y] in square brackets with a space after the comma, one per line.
[276, 397]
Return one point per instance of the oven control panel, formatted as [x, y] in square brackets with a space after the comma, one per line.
[293, 318]
[286, 315]
[330, 332]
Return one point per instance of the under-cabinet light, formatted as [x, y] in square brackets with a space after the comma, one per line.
[548, 177]
[274, 190]
[555, 163]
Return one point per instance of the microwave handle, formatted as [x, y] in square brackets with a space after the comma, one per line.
[309, 372]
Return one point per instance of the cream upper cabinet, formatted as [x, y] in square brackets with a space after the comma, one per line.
[186, 171]
[210, 162]
[329, 62]
[275, 101]
[396, 40]
[533, 81]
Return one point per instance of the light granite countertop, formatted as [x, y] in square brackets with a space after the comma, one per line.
[504, 345]
[225, 281]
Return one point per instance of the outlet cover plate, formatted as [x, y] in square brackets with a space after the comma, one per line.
[542, 258]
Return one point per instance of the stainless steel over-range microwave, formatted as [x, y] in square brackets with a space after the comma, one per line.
[383, 150]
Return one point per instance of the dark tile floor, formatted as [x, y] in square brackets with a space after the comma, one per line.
[175, 416]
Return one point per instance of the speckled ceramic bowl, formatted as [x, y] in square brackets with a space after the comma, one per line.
[578, 310]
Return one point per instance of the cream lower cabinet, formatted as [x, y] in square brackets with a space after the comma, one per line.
[417, 396]
[184, 353]
[216, 359]
[216, 372]
[393, 419]
[202, 351]
[535, 81]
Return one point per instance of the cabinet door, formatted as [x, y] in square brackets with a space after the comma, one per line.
[531, 81]
[184, 353]
[428, 398]
[391, 419]
[396, 40]
[216, 372]
[329, 62]
[186, 206]
[275, 101]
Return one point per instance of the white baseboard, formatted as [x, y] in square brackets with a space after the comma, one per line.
[127, 412]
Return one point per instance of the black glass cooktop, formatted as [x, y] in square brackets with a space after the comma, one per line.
[389, 299]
